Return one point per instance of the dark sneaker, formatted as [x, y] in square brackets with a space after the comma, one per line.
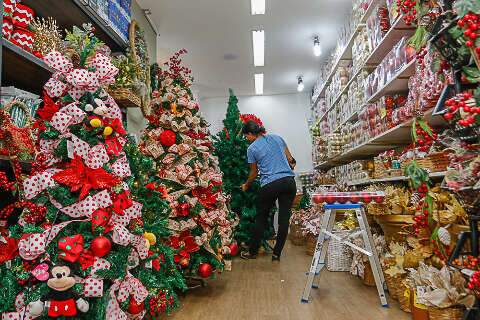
[275, 258]
[247, 255]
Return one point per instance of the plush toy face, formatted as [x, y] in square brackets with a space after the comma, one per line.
[60, 279]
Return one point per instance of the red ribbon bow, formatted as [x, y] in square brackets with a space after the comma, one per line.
[113, 146]
[101, 218]
[116, 125]
[87, 259]
[122, 202]
[8, 250]
[80, 177]
[185, 244]
[71, 248]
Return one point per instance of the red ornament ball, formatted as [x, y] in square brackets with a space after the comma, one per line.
[100, 246]
[168, 138]
[134, 307]
[233, 249]
[205, 270]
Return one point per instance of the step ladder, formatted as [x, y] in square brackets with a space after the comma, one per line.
[318, 261]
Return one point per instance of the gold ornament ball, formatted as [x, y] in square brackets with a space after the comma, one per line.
[107, 131]
[151, 238]
[95, 123]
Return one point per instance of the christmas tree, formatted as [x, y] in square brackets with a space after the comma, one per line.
[231, 150]
[83, 247]
[178, 140]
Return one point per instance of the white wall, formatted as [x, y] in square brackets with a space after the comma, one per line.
[285, 115]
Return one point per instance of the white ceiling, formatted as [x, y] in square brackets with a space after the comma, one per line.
[214, 29]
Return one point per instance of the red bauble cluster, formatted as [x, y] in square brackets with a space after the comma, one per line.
[470, 23]
[469, 262]
[159, 304]
[35, 213]
[6, 184]
[421, 221]
[424, 139]
[407, 9]
[462, 101]
[474, 283]
[168, 138]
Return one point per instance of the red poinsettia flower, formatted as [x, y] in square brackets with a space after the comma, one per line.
[8, 249]
[185, 244]
[49, 108]
[206, 197]
[80, 177]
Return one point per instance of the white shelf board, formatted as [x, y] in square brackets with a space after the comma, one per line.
[392, 179]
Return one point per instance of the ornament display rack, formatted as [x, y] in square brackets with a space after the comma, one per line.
[398, 30]
[26, 71]
[345, 52]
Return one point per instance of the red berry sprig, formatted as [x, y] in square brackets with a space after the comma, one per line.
[465, 106]
[474, 283]
[407, 9]
[470, 24]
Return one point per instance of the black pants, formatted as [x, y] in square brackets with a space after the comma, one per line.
[283, 190]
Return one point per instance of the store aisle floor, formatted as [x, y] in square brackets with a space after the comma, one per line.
[260, 290]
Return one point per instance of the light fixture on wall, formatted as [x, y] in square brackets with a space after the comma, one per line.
[259, 83]
[300, 86]
[258, 7]
[317, 50]
[258, 38]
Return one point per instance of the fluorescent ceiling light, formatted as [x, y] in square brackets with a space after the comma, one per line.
[259, 83]
[317, 50]
[301, 86]
[258, 7]
[258, 48]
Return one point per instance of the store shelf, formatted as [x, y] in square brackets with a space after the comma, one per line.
[346, 51]
[398, 83]
[394, 137]
[22, 69]
[393, 179]
[69, 13]
[398, 30]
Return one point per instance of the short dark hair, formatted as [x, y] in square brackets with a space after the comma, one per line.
[252, 127]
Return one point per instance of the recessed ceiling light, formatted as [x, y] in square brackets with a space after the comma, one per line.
[300, 86]
[317, 50]
[258, 48]
[259, 83]
[258, 7]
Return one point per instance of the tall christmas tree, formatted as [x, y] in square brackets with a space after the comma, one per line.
[83, 247]
[178, 140]
[231, 150]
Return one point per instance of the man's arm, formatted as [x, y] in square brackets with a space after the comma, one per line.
[290, 158]
[251, 176]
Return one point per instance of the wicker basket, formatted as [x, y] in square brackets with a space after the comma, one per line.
[403, 294]
[391, 283]
[453, 313]
[368, 278]
[339, 257]
[125, 97]
[296, 235]
[311, 244]
[393, 224]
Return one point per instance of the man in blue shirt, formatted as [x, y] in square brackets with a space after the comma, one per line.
[269, 155]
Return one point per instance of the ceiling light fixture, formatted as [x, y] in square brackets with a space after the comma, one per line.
[317, 50]
[258, 7]
[301, 86]
[259, 83]
[258, 48]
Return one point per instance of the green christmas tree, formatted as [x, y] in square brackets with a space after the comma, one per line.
[231, 150]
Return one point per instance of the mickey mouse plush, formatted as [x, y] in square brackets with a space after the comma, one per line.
[61, 300]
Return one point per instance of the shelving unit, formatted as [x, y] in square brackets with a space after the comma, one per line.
[432, 175]
[394, 137]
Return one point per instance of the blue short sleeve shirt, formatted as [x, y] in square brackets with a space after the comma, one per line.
[268, 152]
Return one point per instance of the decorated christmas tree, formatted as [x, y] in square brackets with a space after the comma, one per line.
[178, 141]
[83, 247]
[231, 150]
